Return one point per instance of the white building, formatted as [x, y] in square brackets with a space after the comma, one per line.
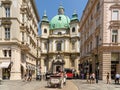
[18, 38]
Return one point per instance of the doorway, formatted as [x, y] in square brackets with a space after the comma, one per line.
[58, 68]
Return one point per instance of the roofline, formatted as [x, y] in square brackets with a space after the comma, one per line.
[35, 10]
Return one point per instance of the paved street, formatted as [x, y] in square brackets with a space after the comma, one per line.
[33, 85]
[20, 85]
[83, 85]
[71, 85]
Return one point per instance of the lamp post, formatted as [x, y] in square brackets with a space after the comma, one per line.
[97, 60]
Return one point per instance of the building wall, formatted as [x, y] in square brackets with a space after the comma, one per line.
[23, 36]
[96, 27]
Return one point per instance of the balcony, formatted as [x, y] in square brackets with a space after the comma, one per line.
[25, 46]
[6, 21]
[6, 2]
[115, 23]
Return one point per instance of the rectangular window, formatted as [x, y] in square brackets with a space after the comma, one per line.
[115, 14]
[22, 36]
[114, 36]
[5, 53]
[7, 33]
[59, 48]
[9, 53]
[7, 11]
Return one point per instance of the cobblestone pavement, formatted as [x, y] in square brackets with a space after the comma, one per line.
[20, 85]
[33, 85]
[83, 85]
[69, 86]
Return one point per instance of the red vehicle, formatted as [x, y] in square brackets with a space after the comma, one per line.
[69, 73]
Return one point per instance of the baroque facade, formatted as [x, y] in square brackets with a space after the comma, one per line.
[100, 38]
[18, 38]
[59, 42]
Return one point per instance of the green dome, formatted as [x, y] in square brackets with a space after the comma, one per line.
[60, 21]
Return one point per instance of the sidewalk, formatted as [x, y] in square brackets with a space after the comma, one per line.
[101, 85]
[20, 85]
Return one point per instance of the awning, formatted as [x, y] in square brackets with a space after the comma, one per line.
[4, 64]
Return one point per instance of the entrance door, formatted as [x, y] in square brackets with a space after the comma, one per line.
[58, 68]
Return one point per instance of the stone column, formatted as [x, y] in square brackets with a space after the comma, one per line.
[76, 63]
[106, 63]
[42, 64]
[15, 65]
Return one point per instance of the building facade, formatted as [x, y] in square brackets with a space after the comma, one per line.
[100, 41]
[59, 42]
[18, 38]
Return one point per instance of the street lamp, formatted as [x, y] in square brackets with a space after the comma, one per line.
[97, 68]
[97, 60]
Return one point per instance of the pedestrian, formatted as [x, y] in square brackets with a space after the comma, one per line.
[93, 77]
[87, 77]
[65, 77]
[25, 76]
[107, 77]
[90, 78]
[117, 76]
[29, 76]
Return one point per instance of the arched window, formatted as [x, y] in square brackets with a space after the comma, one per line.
[73, 29]
[58, 47]
[45, 30]
[59, 33]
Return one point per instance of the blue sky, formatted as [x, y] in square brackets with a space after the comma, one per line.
[51, 7]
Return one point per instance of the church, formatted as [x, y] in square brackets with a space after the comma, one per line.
[60, 42]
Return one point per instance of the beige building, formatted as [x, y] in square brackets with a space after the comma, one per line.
[59, 42]
[100, 38]
[18, 38]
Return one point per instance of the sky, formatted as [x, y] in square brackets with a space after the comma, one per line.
[51, 7]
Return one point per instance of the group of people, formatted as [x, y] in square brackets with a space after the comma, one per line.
[28, 76]
[117, 77]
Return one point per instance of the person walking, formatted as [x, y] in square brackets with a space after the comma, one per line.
[87, 77]
[29, 76]
[117, 76]
[107, 77]
[25, 76]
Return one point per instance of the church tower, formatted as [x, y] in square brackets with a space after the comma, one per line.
[56, 43]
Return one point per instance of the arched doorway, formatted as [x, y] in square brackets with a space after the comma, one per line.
[58, 64]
